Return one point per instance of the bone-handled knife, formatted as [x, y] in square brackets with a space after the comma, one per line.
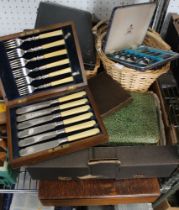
[37, 121]
[45, 136]
[49, 126]
[31, 115]
[44, 104]
[52, 144]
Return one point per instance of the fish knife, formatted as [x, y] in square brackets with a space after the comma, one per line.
[49, 126]
[44, 104]
[45, 136]
[31, 115]
[40, 120]
[52, 144]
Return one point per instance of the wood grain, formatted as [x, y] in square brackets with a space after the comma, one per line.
[98, 192]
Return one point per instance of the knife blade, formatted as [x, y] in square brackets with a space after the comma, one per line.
[52, 144]
[49, 126]
[31, 115]
[45, 136]
[44, 104]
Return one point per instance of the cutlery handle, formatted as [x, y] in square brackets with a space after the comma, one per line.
[54, 64]
[60, 72]
[78, 118]
[75, 111]
[62, 81]
[53, 44]
[50, 34]
[84, 134]
[56, 53]
[72, 96]
[80, 126]
[73, 103]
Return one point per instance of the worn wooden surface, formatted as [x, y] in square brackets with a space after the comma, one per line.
[98, 192]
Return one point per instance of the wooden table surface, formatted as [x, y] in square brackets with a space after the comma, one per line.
[98, 192]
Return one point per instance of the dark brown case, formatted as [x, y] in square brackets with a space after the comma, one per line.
[108, 94]
[15, 101]
[117, 162]
[98, 192]
[110, 163]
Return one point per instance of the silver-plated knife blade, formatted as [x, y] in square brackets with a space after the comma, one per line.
[44, 112]
[36, 121]
[38, 138]
[52, 144]
[38, 129]
[31, 115]
[62, 99]
[41, 147]
[36, 106]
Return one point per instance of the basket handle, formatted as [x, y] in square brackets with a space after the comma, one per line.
[101, 25]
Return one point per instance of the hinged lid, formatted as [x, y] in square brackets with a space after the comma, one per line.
[52, 68]
[128, 26]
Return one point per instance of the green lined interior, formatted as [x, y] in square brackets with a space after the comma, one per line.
[135, 124]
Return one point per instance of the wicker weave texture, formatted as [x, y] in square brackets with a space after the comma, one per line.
[131, 79]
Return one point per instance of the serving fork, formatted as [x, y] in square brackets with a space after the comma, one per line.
[18, 52]
[23, 81]
[21, 72]
[13, 43]
[22, 62]
[30, 89]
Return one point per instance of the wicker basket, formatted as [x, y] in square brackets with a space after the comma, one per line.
[131, 79]
[93, 72]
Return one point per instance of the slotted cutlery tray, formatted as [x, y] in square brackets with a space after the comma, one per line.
[50, 110]
[37, 61]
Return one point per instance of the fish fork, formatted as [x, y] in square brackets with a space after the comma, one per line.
[13, 43]
[22, 62]
[17, 52]
[30, 89]
[23, 81]
[25, 71]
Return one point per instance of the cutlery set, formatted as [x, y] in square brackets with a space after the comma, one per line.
[143, 57]
[51, 111]
[48, 49]
[47, 124]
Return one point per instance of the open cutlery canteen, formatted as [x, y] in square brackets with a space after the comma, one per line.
[51, 108]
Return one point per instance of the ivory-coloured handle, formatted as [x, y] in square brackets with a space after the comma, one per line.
[80, 126]
[72, 96]
[84, 134]
[78, 118]
[62, 81]
[57, 63]
[73, 103]
[60, 72]
[56, 53]
[75, 111]
[53, 44]
[50, 34]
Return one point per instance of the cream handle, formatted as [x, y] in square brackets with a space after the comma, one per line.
[60, 72]
[78, 118]
[75, 111]
[50, 34]
[62, 81]
[84, 134]
[80, 126]
[73, 104]
[53, 44]
[56, 53]
[72, 96]
[57, 63]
